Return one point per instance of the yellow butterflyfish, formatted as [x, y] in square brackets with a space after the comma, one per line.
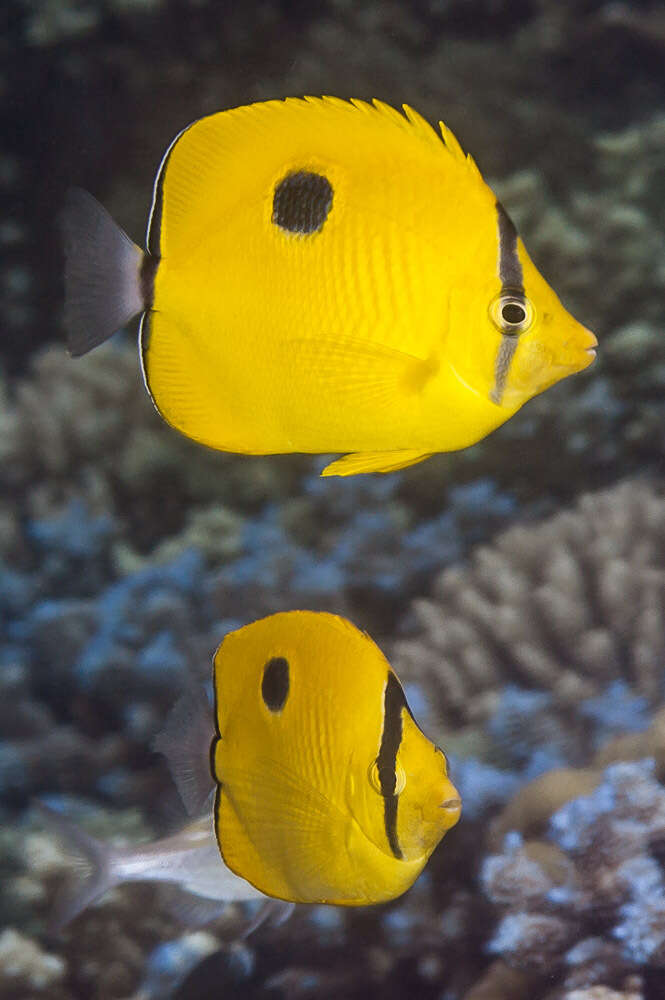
[324, 276]
[327, 790]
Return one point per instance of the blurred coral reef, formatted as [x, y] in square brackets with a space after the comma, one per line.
[586, 903]
[573, 605]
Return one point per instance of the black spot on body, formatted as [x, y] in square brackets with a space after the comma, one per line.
[301, 202]
[275, 683]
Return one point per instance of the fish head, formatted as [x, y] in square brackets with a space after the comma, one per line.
[517, 341]
[408, 821]
[551, 343]
[429, 804]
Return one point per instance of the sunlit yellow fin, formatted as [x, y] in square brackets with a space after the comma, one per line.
[357, 371]
[277, 831]
[421, 126]
[452, 145]
[180, 380]
[373, 461]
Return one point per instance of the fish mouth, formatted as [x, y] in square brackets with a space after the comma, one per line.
[591, 345]
[452, 806]
[585, 351]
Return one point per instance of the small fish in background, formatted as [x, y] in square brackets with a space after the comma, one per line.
[325, 789]
[323, 276]
[188, 860]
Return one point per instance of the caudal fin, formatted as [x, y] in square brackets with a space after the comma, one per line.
[102, 273]
[94, 877]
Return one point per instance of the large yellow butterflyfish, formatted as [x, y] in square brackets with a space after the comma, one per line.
[324, 276]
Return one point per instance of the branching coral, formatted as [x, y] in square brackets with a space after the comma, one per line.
[564, 606]
[587, 904]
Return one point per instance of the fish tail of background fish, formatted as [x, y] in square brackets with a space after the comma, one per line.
[105, 283]
[94, 877]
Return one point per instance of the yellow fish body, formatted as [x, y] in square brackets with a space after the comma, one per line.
[327, 790]
[324, 276]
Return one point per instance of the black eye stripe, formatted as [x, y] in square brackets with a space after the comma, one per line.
[275, 683]
[512, 284]
[510, 267]
[302, 202]
[391, 737]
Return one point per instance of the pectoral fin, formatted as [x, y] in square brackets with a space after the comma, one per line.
[357, 372]
[374, 461]
[185, 742]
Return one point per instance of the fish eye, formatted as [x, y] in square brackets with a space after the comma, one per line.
[375, 780]
[512, 313]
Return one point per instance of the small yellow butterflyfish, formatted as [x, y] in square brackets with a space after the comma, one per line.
[323, 276]
[327, 790]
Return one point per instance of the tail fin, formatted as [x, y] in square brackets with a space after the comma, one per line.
[95, 876]
[272, 911]
[102, 273]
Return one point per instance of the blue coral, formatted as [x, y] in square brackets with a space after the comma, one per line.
[604, 878]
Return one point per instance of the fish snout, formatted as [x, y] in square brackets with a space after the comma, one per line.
[452, 807]
[577, 352]
[592, 342]
[585, 344]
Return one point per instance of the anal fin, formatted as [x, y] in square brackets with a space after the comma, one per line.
[374, 461]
